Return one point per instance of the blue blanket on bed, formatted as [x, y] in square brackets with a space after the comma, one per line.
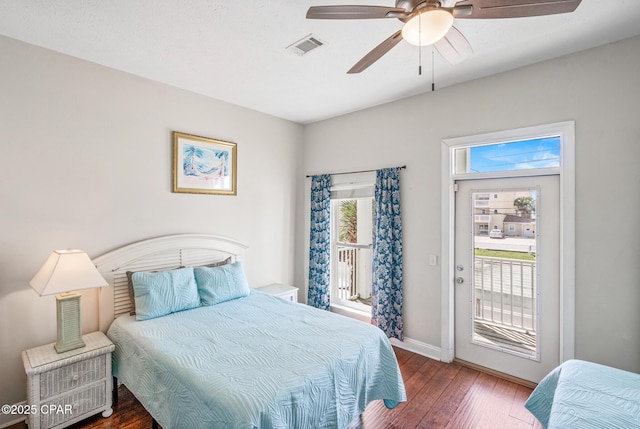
[255, 362]
[581, 394]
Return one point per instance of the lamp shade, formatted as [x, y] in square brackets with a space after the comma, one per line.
[65, 271]
[427, 27]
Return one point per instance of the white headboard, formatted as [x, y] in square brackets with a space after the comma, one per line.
[167, 252]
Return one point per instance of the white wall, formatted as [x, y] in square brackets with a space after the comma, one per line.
[599, 90]
[86, 158]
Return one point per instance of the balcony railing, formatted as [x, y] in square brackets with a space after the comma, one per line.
[505, 304]
[505, 292]
[347, 272]
[353, 280]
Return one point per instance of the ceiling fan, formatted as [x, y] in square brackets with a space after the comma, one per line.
[428, 22]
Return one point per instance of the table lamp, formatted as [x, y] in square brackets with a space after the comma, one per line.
[66, 271]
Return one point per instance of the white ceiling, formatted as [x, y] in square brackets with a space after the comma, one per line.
[235, 51]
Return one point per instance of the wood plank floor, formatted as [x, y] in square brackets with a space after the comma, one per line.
[439, 396]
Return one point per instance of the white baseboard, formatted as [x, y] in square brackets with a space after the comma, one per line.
[418, 347]
[16, 420]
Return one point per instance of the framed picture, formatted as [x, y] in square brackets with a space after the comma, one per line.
[203, 166]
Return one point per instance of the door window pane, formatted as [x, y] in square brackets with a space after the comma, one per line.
[504, 284]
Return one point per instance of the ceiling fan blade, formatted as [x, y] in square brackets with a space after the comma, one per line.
[454, 47]
[353, 12]
[376, 53]
[488, 9]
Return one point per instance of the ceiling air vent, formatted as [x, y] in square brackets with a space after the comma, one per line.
[304, 45]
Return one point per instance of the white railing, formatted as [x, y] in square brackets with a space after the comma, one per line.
[347, 272]
[352, 279]
[505, 292]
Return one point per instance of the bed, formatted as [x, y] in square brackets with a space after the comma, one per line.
[255, 361]
[580, 394]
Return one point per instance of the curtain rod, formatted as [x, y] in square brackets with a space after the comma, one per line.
[402, 167]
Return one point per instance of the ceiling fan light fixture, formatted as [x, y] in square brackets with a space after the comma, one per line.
[427, 27]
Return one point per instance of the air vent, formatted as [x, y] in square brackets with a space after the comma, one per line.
[305, 45]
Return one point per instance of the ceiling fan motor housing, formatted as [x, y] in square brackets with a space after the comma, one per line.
[415, 5]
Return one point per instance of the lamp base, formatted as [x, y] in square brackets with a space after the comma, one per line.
[61, 348]
[69, 329]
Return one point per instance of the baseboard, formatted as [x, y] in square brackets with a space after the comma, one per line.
[418, 347]
[16, 420]
[511, 378]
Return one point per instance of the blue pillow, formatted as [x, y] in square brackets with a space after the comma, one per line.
[220, 284]
[164, 292]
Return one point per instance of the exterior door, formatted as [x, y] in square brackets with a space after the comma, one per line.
[507, 293]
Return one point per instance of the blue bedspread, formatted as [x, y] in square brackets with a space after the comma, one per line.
[581, 394]
[255, 362]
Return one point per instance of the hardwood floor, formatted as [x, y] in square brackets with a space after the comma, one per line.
[439, 395]
[451, 396]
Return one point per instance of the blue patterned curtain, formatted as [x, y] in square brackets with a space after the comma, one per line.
[320, 247]
[386, 303]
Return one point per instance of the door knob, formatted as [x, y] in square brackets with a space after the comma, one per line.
[459, 280]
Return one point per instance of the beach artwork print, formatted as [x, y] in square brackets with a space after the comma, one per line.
[204, 165]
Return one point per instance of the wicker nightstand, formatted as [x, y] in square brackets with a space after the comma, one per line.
[288, 293]
[68, 387]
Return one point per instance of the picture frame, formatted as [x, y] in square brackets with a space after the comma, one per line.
[203, 165]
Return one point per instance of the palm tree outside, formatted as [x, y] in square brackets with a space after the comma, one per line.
[348, 227]
[525, 206]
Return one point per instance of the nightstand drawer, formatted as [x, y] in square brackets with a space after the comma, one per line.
[73, 405]
[72, 376]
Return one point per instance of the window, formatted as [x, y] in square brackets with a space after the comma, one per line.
[531, 154]
[351, 241]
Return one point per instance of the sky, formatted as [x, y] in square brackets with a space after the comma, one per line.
[520, 155]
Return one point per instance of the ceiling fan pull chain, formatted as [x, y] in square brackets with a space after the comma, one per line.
[433, 71]
[420, 47]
